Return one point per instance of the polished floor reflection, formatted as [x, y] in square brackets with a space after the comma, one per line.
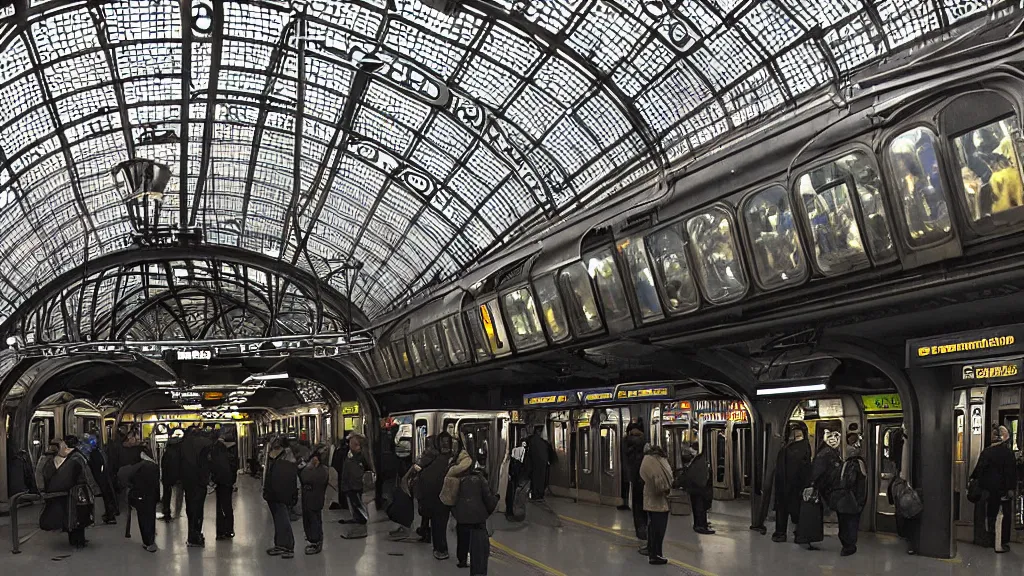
[567, 539]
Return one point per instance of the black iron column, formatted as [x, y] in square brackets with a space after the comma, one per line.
[933, 458]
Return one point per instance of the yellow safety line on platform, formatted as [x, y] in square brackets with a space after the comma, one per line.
[631, 539]
[524, 558]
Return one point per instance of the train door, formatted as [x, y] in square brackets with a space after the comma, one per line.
[588, 479]
[676, 441]
[610, 480]
[42, 429]
[562, 471]
[714, 443]
[742, 459]
[886, 439]
[1004, 405]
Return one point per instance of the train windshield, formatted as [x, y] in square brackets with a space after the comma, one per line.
[668, 249]
[635, 256]
[522, 315]
[551, 305]
[917, 179]
[989, 170]
[713, 245]
[778, 257]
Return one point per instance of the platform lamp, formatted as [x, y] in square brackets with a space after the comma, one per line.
[142, 183]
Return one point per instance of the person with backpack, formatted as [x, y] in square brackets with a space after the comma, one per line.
[143, 483]
[909, 504]
[281, 492]
[474, 504]
[848, 495]
[315, 477]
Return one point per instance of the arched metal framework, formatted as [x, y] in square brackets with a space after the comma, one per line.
[383, 131]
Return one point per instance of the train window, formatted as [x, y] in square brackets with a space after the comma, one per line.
[634, 254]
[477, 336]
[401, 351]
[601, 267]
[827, 194]
[917, 180]
[434, 345]
[494, 327]
[584, 436]
[989, 171]
[422, 356]
[378, 363]
[522, 314]
[713, 247]
[668, 249]
[778, 257]
[579, 294]
[551, 306]
[421, 437]
[454, 339]
[389, 362]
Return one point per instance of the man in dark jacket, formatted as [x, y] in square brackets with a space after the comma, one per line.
[224, 472]
[170, 475]
[473, 506]
[195, 477]
[996, 471]
[792, 475]
[540, 456]
[696, 481]
[633, 447]
[824, 472]
[280, 491]
[351, 482]
[102, 473]
[849, 494]
[143, 483]
[338, 463]
[428, 489]
[315, 477]
[418, 488]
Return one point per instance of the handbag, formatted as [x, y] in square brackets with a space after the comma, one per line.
[450, 490]
[974, 491]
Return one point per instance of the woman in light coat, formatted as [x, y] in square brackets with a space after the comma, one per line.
[657, 476]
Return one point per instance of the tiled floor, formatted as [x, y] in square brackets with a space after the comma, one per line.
[566, 538]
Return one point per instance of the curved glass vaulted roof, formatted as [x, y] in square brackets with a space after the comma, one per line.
[426, 139]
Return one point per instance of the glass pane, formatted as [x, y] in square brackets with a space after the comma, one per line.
[601, 267]
[989, 170]
[668, 249]
[916, 177]
[635, 256]
[454, 339]
[522, 313]
[476, 334]
[494, 328]
[713, 247]
[434, 344]
[580, 301]
[402, 357]
[551, 304]
[422, 348]
[778, 257]
[378, 365]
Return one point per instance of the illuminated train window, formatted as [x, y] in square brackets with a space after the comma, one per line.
[635, 255]
[522, 315]
[601, 267]
[718, 262]
[580, 300]
[668, 250]
[778, 254]
[494, 328]
[918, 184]
[552, 308]
[455, 340]
[990, 171]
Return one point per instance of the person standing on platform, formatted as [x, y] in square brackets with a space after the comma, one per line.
[281, 492]
[541, 456]
[315, 477]
[69, 473]
[792, 475]
[142, 481]
[996, 472]
[338, 464]
[909, 505]
[420, 488]
[351, 483]
[849, 494]
[824, 470]
[428, 489]
[633, 447]
[224, 472]
[102, 473]
[474, 504]
[517, 478]
[170, 475]
[696, 481]
[195, 477]
[656, 473]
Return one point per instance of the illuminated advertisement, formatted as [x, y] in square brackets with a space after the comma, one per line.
[963, 346]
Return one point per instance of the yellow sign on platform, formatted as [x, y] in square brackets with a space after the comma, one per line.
[350, 410]
[552, 399]
[882, 403]
[643, 393]
[597, 396]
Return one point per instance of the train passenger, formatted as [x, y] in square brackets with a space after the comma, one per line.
[142, 480]
[792, 475]
[540, 457]
[224, 473]
[633, 447]
[460, 466]
[44, 468]
[696, 481]
[909, 505]
[474, 504]
[824, 469]
[996, 475]
[515, 508]
[102, 473]
[657, 477]
[69, 473]
[428, 489]
[195, 477]
[315, 477]
[849, 494]
[338, 462]
[419, 489]
[351, 484]
[170, 475]
[280, 492]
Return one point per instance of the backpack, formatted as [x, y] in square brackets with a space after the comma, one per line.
[850, 494]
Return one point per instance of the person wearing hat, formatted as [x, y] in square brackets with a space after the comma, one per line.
[315, 477]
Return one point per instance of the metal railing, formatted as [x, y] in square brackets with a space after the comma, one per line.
[17, 499]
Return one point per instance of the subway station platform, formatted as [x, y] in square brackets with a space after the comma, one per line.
[565, 539]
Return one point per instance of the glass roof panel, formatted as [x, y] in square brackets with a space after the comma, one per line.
[426, 138]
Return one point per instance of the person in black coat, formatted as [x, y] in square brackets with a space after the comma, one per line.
[170, 475]
[824, 471]
[429, 483]
[69, 473]
[224, 473]
[633, 448]
[414, 476]
[281, 492]
[142, 480]
[102, 473]
[351, 481]
[696, 480]
[540, 456]
[849, 494]
[996, 472]
[792, 475]
[338, 463]
[473, 506]
[195, 477]
[315, 477]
